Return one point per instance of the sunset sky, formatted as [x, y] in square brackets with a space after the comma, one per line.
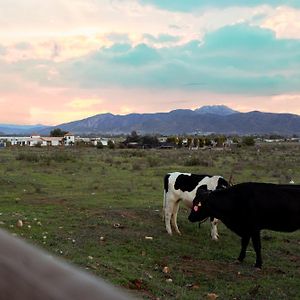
[65, 60]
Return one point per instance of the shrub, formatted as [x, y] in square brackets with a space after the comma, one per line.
[137, 166]
[30, 157]
[153, 161]
[197, 161]
[111, 144]
[62, 157]
[248, 141]
[100, 145]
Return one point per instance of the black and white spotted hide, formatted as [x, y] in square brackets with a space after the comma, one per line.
[183, 187]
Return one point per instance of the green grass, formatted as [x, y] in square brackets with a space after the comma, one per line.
[69, 198]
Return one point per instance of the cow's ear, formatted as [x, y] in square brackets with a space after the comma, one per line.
[199, 204]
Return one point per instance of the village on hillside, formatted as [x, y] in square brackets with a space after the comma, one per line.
[139, 141]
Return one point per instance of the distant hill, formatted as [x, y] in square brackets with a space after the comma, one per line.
[221, 110]
[6, 129]
[188, 121]
[207, 119]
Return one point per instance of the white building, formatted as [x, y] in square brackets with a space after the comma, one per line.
[37, 140]
[33, 140]
[69, 139]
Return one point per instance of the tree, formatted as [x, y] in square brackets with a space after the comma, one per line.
[111, 144]
[172, 140]
[180, 142]
[57, 132]
[220, 140]
[207, 141]
[189, 142]
[248, 141]
[132, 138]
[149, 140]
[196, 142]
[99, 145]
[200, 142]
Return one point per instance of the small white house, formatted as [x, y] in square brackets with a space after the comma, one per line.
[53, 141]
[69, 139]
[35, 140]
[103, 141]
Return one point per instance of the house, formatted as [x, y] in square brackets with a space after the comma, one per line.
[95, 141]
[53, 141]
[69, 139]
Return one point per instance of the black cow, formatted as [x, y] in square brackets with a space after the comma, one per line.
[184, 186]
[247, 208]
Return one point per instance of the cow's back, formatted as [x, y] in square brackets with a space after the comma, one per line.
[250, 206]
[277, 206]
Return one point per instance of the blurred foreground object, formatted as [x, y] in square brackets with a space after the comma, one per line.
[28, 273]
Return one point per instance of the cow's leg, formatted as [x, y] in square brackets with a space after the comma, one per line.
[174, 216]
[168, 213]
[214, 229]
[244, 243]
[257, 247]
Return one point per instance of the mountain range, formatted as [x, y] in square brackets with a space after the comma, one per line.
[6, 129]
[207, 119]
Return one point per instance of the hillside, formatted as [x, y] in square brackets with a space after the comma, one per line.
[188, 121]
[207, 119]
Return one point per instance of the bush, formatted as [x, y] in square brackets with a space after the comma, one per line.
[153, 161]
[248, 141]
[111, 144]
[197, 161]
[100, 145]
[61, 157]
[30, 157]
[137, 166]
[192, 161]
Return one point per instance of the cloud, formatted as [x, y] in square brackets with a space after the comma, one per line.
[3, 50]
[285, 22]
[58, 60]
[58, 116]
[116, 37]
[234, 59]
[84, 103]
[194, 5]
[161, 38]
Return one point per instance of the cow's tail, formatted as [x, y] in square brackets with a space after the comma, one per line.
[166, 186]
[164, 206]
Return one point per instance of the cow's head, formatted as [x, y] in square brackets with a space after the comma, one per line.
[200, 211]
[223, 184]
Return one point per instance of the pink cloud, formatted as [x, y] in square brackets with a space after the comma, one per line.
[51, 106]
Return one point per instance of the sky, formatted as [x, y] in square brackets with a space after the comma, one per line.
[65, 60]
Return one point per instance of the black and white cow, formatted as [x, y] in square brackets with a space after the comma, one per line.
[247, 208]
[184, 186]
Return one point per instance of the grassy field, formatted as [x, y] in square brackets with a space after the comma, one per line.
[95, 207]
